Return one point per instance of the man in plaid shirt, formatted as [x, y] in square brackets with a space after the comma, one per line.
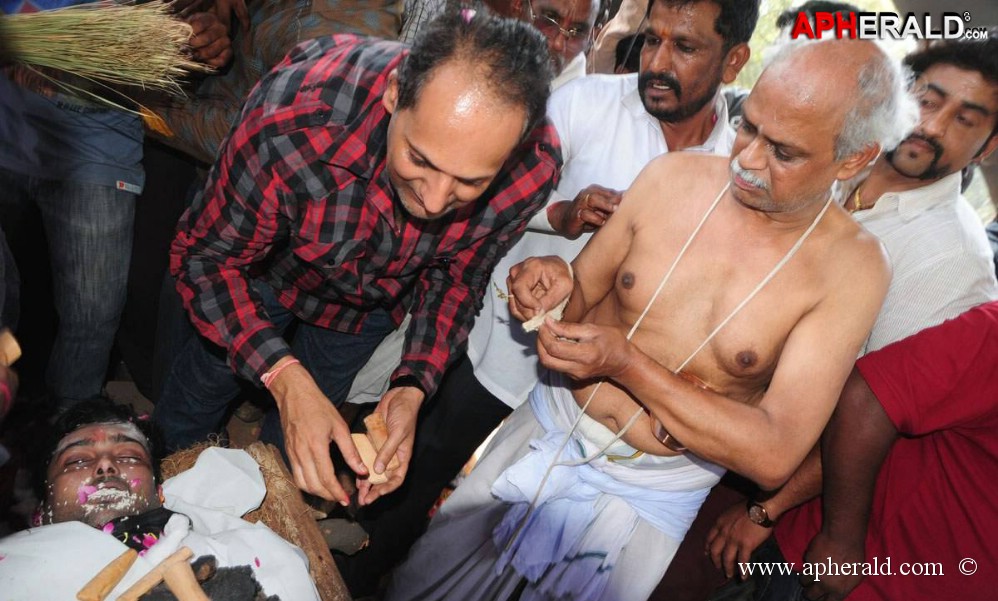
[362, 182]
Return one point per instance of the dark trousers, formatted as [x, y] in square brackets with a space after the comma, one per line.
[88, 228]
[451, 426]
[200, 384]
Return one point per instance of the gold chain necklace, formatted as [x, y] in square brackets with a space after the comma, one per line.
[857, 201]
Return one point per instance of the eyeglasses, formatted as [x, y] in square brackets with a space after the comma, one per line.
[549, 25]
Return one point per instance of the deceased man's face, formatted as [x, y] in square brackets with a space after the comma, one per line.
[98, 473]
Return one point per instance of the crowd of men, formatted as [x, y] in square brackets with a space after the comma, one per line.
[656, 286]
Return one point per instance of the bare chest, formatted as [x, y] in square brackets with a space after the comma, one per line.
[722, 313]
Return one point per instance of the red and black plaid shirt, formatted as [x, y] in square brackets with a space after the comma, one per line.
[300, 198]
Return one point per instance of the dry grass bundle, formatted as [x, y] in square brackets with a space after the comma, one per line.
[139, 45]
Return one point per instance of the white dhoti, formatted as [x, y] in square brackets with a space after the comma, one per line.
[606, 530]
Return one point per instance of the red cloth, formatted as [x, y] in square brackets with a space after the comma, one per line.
[935, 500]
[300, 198]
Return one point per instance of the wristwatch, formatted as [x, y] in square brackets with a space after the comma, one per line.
[758, 514]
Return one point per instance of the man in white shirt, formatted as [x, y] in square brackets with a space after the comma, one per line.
[610, 127]
[568, 26]
[911, 200]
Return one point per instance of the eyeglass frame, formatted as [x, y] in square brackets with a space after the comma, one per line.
[570, 35]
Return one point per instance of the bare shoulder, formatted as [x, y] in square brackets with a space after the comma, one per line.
[673, 166]
[861, 260]
[677, 176]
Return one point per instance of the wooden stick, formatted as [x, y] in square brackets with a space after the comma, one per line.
[368, 455]
[10, 351]
[108, 578]
[183, 584]
[377, 431]
[155, 575]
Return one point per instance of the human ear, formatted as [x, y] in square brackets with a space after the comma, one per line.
[734, 60]
[390, 98]
[986, 150]
[857, 161]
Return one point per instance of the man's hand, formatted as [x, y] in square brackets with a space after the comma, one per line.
[583, 351]
[226, 8]
[400, 407]
[537, 285]
[310, 423]
[832, 588]
[733, 539]
[589, 211]
[210, 43]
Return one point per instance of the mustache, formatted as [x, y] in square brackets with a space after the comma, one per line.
[115, 480]
[648, 78]
[748, 176]
[935, 144]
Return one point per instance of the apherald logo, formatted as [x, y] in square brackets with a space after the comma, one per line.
[869, 26]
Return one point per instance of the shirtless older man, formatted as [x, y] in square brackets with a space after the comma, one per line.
[737, 290]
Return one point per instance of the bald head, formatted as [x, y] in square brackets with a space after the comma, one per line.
[820, 112]
[859, 90]
[508, 56]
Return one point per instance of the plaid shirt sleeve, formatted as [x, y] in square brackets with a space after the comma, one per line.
[253, 198]
[245, 207]
[449, 297]
[232, 225]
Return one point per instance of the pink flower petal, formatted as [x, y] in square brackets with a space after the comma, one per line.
[84, 492]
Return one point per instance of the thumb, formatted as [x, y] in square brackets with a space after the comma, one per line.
[562, 329]
[388, 450]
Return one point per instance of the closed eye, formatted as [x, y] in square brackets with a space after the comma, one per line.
[781, 155]
[417, 160]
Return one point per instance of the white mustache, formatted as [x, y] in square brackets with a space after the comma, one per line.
[753, 180]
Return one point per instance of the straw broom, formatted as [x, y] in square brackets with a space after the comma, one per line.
[104, 42]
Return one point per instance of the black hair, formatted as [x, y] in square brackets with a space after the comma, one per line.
[971, 55]
[810, 8]
[628, 53]
[734, 24]
[510, 55]
[88, 413]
